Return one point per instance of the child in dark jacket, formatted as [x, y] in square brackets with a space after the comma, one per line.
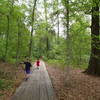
[27, 68]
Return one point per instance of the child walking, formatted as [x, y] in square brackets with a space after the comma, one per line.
[38, 63]
[27, 69]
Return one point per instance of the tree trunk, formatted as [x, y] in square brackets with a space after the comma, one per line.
[47, 45]
[31, 39]
[47, 38]
[7, 38]
[7, 34]
[67, 18]
[94, 63]
[18, 42]
[58, 19]
[68, 37]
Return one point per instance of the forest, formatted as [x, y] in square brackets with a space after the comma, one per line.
[65, 33]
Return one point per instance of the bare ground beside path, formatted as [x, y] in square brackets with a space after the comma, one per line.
[7, 74]
[81, 87]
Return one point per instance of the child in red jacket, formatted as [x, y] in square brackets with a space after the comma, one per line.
[38, 63]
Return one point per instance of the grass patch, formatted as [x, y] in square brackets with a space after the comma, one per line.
[1, 84]
[56, 63]
[1, 94]
[6, 84]
[61, 64]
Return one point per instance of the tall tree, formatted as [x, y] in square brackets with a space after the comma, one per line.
[32, 22]
[94, 63]
[68, 35]
[7, 37]
[46, 28]
[18, 40]
[8, 27]
[58, 22]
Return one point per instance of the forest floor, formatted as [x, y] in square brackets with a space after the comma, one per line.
[8, 81]
[74, 85]
[69, 84]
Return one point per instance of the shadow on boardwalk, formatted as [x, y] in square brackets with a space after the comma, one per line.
[38, 87]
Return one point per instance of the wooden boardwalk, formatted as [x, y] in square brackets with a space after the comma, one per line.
[38, 87]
